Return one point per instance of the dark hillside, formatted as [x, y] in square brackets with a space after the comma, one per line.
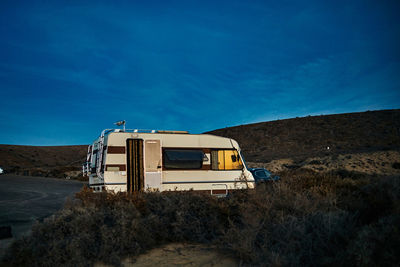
[42, 160]
[310, 136]
[297, 138]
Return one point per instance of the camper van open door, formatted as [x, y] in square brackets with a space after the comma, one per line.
[153, 164]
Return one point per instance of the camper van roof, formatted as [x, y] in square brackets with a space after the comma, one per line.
[108, 131]
[150, 131]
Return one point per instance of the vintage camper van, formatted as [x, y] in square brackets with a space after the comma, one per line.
[140, 160]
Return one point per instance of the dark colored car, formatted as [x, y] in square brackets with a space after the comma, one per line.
[262, 175]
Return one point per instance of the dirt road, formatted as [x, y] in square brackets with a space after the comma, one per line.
[23, 200]
[180, 254]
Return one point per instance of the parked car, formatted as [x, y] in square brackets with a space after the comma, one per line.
[263, 175]
[1, 171]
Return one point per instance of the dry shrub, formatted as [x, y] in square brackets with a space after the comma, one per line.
[304, 219]
[105, 226]
[290, 224]
[396, 165]
[377, 244]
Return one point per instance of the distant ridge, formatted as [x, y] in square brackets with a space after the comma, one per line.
[52, 161]
[296, 138]
[300, 138]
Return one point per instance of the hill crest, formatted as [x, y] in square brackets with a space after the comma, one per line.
[296, 138]
[310, 136]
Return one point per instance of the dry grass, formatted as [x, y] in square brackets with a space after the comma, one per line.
[302, 138]
[45, 161]
[305, 219]
[383, 163]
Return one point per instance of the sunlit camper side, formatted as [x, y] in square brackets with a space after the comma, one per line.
[140, 160]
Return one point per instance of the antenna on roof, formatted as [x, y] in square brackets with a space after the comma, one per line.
[119, 123]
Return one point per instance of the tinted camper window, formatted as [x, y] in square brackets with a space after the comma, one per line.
[183, 159]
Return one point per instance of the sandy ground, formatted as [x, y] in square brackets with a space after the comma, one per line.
[24, 200]
[380, 163]
[177, 254]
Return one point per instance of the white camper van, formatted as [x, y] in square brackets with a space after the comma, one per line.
[140, 160]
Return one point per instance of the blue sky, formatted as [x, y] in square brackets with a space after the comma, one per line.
[69, 69]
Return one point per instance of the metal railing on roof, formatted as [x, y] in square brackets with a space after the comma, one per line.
[107, 131]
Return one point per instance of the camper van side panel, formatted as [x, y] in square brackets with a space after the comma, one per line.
[115, 175]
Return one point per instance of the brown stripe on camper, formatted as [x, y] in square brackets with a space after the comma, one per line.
[116, 150]
[218, 191]
[207, 192]
[204, 167]
[111, 167]
[205, 150]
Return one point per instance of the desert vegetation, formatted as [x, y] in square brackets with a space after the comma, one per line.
[307, 218]
[384, 163]
[317, 136]
[44, 161]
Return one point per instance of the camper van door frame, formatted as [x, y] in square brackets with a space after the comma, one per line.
[141, 183]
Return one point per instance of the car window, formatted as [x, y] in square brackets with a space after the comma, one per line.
[261, 174]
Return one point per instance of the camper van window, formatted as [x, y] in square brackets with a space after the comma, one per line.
[183, 159]
[103, 160]
[94, 162]
[226, 160]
